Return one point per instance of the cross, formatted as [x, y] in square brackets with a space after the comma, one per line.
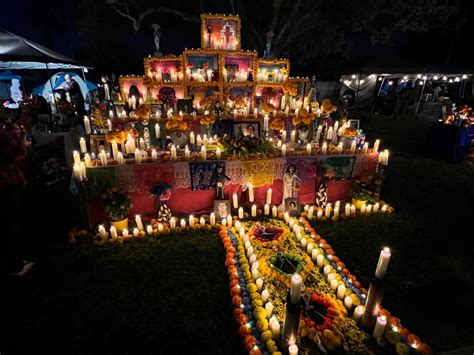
[226, 32]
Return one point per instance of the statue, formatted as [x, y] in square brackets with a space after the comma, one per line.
[157, 36]
[267, 54]
[290, 182]
[218, 180]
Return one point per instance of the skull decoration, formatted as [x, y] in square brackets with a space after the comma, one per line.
[167, 95]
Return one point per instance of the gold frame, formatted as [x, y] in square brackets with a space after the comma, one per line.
[236, 18]
[121, 80]
[168, 58]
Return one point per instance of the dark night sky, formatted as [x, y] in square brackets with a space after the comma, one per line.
[32, 20]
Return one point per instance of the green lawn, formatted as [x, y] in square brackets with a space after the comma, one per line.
[171, 294]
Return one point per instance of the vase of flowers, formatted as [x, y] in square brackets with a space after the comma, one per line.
[117, 205]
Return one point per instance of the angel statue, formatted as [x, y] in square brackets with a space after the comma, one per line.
[157, 36]
[267, 54]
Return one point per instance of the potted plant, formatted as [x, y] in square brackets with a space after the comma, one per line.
[117, 205]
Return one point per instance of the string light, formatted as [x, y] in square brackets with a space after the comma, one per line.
[435, 77]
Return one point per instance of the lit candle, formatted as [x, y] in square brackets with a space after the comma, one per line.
[362, 209]
[183, 223]
[87, 159]
[77, 171]
[251, 195]
[309, 248]
[353, 146]
[334, 284]
[319, 215]
[157, 130]
[269, 196]
[347, 210]
[199, 140]
[82, 143]
[308, 149]
[229, 220]
[192, 138]
[365, 148]
[304, 242]
[318, 133]
[254, 211]
[255, 274]
[353, 210]
[125, 233]
[314, 254]
[154, 155]
[324, 148]
[341, 292]
[348, 302]
[382, 265]
[358, 312]
[235, 201]
[275, 328]
[368, 209]
[266, 209]
[76, 157]
[241, 212]
[102, 232]
[265, 295]
[160, 227]
[283, 136]
[191, 221]
[138, 156]
[241, 231]
[138, 221]
[113, 232]
[212, 219]
[379, 327]
[202, 222]
[109, 125]
[327, 269]
[87, 125]
[114, 150]
[296, 283]
[187, 153]
[173, 152]
[283, 150]
[259, 283]
[384, 208]
[203, 153]
[135, 232]
[329, 134]
[339, 148]
[293, 136]
[218, 153]
[376, 207]
[173, 223]
[320, 260]
[327, 211]
[269, 309]
[376, 145]
[149, 230]
[120, 158]
[274, 211]
[293, 349]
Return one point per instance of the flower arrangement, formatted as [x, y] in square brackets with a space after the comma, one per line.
[277, 124]
[327, 106]
[366, 190]
[176, 123]
[207, 119]
[243, 146]
[304, 117]
[117, 136]
[143, 111]
[116, 204]
[267, 107]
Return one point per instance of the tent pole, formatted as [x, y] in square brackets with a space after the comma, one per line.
[419, 100]
[52, 88]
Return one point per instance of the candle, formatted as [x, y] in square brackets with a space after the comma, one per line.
[102, 232]
[319, 214]
[265, 295]
[202, 222]
[266, 209]
[348, 302]
[320, 260]
[251, 194]
[157, 130]
[318, 133]
[187, 153]
[339, 148]
[334, 284]
[113, 232]
[283, 150]
[192, 138]
[368, 209]
[218, 153]
[183, 223]
[283, 136]
[103, 158]
[269, 309]
[309, 248]
[293, 136]
[353, 146]
[376, 207]
[135, 232]
[308, 149]
[255, 274]
[379, 327]
[149, 230]
[347, 210]
[173, 152]
[327, 211]
[376, 145]
[76, 157]
[265, 122]
[362, 209]
[330, 278]
[358, 312]
[138, 156]
[229, 220]
[114, 150]
[269, 196]
[125, 233]
[154, 155]
[259, 283]
[336, 126]
[77, 172]
[329, 134]
[191, 221]
[252, 260]
[241, 212]
[173, 223]
[324, 148]
[382, 265]
[160, 227]
[275, 328]
[274, 211]
[138, 221]
[254, 211]
[82, 143]
[120, 158]
[341, 292]
[353, 210]
[199, 140]
[235, 202]
[327, 269]
[384, 208]
[87, 159]
[365, 148]
[296, 283]
[87, 125]
[314, 254]
[286, 216]
[293, 349]
[109, 125]
[212, 219]
[203, 153]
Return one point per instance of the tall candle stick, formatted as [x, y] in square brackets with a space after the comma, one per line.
[283, 150]
[87, 159]
[87, 125]
[218, 153]
[382, 265]
[379, 327]
[173, 223]
[274, 211]
[212, 219]
[138, 221]
[76, 157]
[324, 148]
[358, 312]
[293, 136]
[308, 149]
[82, 143]
[266, 209]
[114, 150]
[182, 223]
[241, 212]
[235, 201]
[251, 195]
[120, 160]
[254, 211]
[203, 153]
[154, 155]
[296, 283]
[353, 146]
[269, 196]
[376, 145]
[157, 130]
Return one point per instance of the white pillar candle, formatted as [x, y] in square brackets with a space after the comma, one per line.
[353, 210]
[269, 309]
[251, 195]
[327, 211]
[308, 149]
[293, 349]
[254, 211]
[77, 172]
[199, 140]
[283, 136]
[76, 157]
[291, 223]
[296, 283]
[202, 222]
[334, 284]
[320, 260]
[265, 295]
[229, 220]
[376, 145]
[191, 221]
[330, 277]
[192, 138]
[138, 221]
[327, 269]
[259, 283]
[324, 148]
[255, 273]
[314, 254]
[212, 219]
[275, 328]
[235, 202]
[362, 209]
[319, 215]
[382, 265]
[113, 232]
[309, 248]
[286, 217]
[149, 230]
[303, 242]
[348, 302]
[247, 245]
[336, 126]
[358, 313]
[376, 207]
[173, 223]
[341, 292]
[183, 223]
[87, 125]
[125, 233]
[241, 212]
[368, 209]
[203, 153]
[160, 227]
[339, 148]
[120, 160]
[347, 210]
[379, 327]
[87, 159]
[269, 196]
[384, 208]
[109, 125]
[135, 232]
[329, 134]
[266, 209]
[218, 153]
[114, 150]
[274, 211]
[224, 222]
[336, 211]
[102, 232]
[293, 136]
[82, 143]
[253, 259]
[157, 130]
[154, 155]
[138, 156]
[365, 148]
[353, 146]
[173, 152]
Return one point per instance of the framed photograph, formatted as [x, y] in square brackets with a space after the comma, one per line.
[221, 209]
[354, 124]
[246, 128]
[98, 143]
[292, 206]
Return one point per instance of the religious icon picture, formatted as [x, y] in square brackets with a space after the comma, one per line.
[292, 206]
[221, 208]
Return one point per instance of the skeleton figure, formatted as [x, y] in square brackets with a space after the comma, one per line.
[267, 54]
[157, 37]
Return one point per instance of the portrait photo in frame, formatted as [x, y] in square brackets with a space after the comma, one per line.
[221, 209]
[354, 124]
[292, 206]
[246, 128]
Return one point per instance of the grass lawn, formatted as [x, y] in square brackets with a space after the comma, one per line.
[171, 294]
